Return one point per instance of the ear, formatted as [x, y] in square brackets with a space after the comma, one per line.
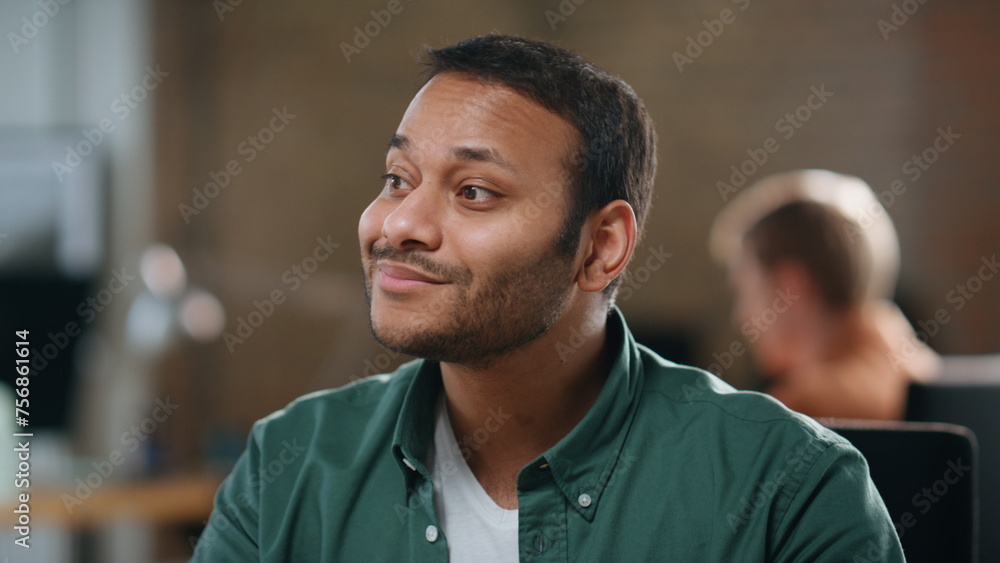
[609, 241]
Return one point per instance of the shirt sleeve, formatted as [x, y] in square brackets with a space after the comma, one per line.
[836, 514]
[232, 530]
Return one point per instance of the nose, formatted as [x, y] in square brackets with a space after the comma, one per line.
[415, 222]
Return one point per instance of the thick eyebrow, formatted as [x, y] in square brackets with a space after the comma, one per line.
[480, 154]
[401, 142]
[462, 154]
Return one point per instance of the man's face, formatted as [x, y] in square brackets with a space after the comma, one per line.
[459, 248]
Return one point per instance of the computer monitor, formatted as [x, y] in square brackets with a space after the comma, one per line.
[52, 250]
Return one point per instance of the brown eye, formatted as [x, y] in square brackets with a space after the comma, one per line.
[393, 182]
[476, 193]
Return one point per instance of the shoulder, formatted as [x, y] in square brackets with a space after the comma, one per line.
[748, 421]
[755, 454]
[342, 409]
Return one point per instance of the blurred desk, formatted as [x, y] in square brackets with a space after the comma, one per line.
[159, 502]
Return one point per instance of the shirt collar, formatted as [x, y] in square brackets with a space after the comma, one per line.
[582, 463]
[415, 425]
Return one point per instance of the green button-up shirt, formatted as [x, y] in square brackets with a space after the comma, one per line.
[670, 464]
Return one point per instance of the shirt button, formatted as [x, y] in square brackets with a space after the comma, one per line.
[584, 500]
[431, 534]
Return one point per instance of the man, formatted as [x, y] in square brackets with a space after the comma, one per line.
[812, 259]
[535, 428]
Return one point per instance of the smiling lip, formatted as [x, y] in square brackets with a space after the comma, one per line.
[398, 278]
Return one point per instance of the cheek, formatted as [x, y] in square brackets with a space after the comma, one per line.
[486, 246]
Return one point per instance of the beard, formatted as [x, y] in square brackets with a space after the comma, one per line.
[475, 325]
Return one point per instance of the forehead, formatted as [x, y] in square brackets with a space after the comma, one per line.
[454, 110]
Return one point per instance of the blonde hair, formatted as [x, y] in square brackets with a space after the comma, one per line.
[866, 223]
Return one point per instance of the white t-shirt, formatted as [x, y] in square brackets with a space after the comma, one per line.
[476, 528]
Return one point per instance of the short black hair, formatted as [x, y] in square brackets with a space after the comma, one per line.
[616, 157]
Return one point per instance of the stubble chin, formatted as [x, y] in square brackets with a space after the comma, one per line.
[473, 324]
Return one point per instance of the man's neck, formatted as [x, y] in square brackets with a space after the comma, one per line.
[522, 405]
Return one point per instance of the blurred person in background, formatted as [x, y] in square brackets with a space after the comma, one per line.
[813, 259]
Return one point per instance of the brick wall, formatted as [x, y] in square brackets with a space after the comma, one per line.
[891, 90]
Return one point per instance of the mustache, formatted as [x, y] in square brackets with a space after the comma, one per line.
[456, 274]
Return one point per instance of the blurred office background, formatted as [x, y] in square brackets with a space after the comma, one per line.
[182, 180]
